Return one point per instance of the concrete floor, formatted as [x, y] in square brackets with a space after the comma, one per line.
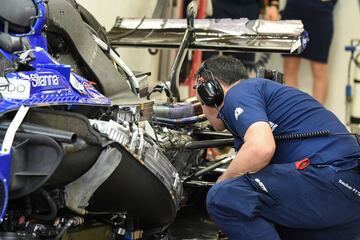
[193, 223]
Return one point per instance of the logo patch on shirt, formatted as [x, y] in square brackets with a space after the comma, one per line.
[273, 125]
[261, 184]
[238, 111]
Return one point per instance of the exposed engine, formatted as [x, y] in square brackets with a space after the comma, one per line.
[109, 172]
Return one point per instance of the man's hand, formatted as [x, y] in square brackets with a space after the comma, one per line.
[271, 13]
[255, 154]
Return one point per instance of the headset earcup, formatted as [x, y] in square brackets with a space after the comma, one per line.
[211, 93]
[219, 96]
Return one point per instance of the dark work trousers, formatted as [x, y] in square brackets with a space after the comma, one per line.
[281, 202]
[320, 27]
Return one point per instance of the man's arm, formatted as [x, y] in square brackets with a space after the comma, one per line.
[255, 153]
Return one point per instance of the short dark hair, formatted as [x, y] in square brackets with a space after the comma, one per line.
[227, 70]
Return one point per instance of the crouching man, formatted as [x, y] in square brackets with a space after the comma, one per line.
[301, 187]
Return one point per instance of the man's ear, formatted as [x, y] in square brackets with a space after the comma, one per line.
[211, 114]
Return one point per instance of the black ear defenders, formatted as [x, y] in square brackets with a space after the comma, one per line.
[209, 90]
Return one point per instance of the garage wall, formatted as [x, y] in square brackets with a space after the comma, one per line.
[347, 26]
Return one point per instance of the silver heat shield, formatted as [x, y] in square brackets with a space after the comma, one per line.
[286, 36]
[143, 149]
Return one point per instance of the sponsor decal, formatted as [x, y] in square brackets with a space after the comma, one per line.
[273, 126]
[15, 89]
[353, 189]
[261, 184]
[44, 80]
[237, 112]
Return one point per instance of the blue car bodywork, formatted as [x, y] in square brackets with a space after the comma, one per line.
[44, 82]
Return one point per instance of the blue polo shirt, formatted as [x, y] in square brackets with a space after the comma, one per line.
[288, 111]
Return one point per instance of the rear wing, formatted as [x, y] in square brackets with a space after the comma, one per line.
[239, 35]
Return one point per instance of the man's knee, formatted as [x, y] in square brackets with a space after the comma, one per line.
[218, 197]
[231, 197]
[212, 198]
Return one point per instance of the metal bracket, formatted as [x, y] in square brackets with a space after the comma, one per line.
[180, 56]
[13, 127]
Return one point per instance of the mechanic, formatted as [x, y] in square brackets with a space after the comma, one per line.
[303, 188]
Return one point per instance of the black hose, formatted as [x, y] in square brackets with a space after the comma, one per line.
[59, 135]
[211, 135]
[52, 205]
[213, 166]
[209, 143]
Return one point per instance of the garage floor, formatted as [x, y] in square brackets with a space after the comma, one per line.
[193, 222]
